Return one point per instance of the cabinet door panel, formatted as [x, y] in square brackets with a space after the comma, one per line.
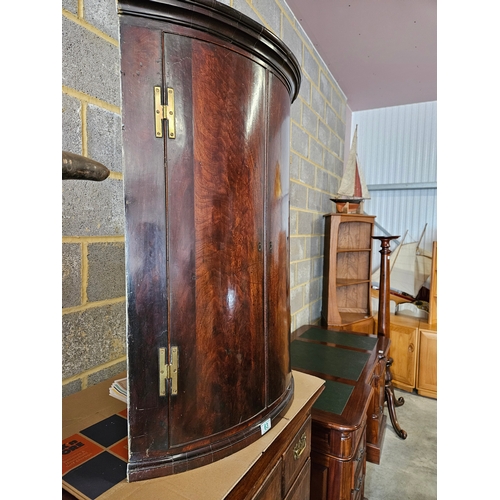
[427, 369]
[145, 227]
[278, 242]
[215, 234]
[319, 481]
[403, 350]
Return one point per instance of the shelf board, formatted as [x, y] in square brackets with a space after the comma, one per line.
[348, 282]
[342, 250]
[352, 317]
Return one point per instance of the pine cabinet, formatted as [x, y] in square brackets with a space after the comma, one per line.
[405, 338]
[206, 96]
[433, 290]
[414, 345]
[347, 272]
[414, 351]
[427, 362]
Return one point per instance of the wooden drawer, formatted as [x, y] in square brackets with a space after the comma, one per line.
[359, 470]
[334, 479]
[359, 459]
[357, 492]
[340, 444]
[271, 489]
[296, 454]
[301, 487]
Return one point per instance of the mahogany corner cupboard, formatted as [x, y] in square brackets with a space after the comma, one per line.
[206, 96]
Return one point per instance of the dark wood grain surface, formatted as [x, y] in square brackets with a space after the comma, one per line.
[207, 238]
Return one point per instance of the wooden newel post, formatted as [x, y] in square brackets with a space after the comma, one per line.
[384, 306]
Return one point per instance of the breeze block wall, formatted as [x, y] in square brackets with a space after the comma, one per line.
[93, 320]
[93, 270]
[318, 130]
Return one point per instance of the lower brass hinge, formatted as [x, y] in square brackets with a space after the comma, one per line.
[168, 371]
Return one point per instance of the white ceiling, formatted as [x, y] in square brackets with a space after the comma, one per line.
[382, 53]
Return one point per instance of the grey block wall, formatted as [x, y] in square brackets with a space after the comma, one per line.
[93, 246]
[93, 217]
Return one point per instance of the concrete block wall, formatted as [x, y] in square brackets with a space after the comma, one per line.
[93, 328]
[93, 247]
[316, 156]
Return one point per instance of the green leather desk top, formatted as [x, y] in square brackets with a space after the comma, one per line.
[334, 398]
[335, 361]
[340, 338]
[345, 359]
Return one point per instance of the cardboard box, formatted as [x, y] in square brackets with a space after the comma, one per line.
[88, 412]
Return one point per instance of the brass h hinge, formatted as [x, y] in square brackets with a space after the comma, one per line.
[168, 371]
[164, 112]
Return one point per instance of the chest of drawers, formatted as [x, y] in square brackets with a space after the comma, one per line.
[290, 477]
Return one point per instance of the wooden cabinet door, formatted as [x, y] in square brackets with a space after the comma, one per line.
[215, 206]
[375, 426]
[427, 366]
[278, 239]
[404, 350]
[204, 243]
[145, 240]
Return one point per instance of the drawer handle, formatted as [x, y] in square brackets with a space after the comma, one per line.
[300, 446]
[360, 454]
[360, 483]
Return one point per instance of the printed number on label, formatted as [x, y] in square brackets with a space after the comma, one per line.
[265, 426]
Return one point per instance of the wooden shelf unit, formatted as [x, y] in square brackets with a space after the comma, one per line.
[347, 272]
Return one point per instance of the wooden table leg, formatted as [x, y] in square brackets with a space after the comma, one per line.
[384, 329]
[392, 402]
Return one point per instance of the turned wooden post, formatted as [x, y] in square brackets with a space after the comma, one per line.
[383, 329]
[384, 306]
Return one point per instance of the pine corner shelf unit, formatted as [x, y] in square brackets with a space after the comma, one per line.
[347, 272]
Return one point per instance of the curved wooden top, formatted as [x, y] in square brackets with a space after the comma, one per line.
[228, 24]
